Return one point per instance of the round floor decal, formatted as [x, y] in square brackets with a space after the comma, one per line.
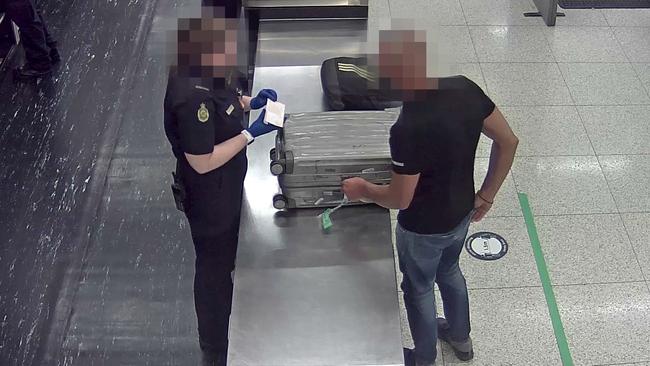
[486, 246]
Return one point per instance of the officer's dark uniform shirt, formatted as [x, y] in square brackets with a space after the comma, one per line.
[200, 114]
[436, 136]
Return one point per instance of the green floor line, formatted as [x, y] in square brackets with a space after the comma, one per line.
[558, 329]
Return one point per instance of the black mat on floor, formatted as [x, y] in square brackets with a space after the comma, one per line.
[134, 305]
[50, 137]
[84, 172]
[603, 4]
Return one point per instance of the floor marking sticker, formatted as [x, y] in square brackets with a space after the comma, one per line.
[558, 328]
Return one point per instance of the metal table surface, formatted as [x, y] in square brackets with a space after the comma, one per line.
[302, 297]
[302, 9]
[302, 3]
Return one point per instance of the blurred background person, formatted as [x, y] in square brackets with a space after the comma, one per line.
[41, 51]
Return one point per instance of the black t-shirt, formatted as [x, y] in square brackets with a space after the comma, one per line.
[436, 136]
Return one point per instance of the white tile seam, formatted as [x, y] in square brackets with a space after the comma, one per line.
[602, 284]
[623, 364]
[606, 20]
[547, 62]
[570, 155]
[629, 238]
[589, 214]
[627, 57]
[528, 25]
[620, 214]
[478, 60]
[574, 105]
[469, 288]
[598, 157]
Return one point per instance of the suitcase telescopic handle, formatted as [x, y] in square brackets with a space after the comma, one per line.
[333, 196]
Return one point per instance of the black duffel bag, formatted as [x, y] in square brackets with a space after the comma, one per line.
[349, 84]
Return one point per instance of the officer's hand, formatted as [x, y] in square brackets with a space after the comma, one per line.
[260, 100]
[259, 128]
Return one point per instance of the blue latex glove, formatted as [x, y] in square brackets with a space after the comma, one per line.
[259, 128]
[260, 100]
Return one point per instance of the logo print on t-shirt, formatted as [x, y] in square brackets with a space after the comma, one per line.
[203, 114]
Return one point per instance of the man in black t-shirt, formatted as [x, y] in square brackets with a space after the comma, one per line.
[433, 146]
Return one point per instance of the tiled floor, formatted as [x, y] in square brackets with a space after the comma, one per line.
[578, 97]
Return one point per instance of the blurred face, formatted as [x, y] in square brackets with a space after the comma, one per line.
[223, 50]
[207, 42]
[402, 57]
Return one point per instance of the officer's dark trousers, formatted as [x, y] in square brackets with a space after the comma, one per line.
[215, 261]
[35, 38]
[214, 215]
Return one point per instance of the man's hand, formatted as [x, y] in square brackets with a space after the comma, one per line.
[481, 208]
[355, 189]
[398, 194]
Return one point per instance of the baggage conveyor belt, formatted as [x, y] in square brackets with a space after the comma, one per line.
[302, 297]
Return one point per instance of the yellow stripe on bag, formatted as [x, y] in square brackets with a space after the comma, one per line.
[357, 70]
[353, 66]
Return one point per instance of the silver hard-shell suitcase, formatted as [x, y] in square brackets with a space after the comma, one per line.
[316, 151]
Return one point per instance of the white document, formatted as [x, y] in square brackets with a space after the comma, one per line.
[274, 113]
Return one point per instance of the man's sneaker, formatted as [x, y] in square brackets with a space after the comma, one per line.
[27, 72]
[54, 56]
[209, 358]
[409, 357]
[463, 350]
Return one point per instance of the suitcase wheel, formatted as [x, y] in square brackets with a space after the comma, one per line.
[280, 202]
[277, 168]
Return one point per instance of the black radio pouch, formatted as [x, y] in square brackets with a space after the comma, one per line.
[180, 194]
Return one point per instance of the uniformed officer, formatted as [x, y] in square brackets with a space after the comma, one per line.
[40, 47]
[204, 107]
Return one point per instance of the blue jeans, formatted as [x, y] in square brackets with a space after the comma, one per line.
[425, 259]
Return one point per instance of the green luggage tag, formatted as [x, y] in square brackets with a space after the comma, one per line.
[326, 219]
